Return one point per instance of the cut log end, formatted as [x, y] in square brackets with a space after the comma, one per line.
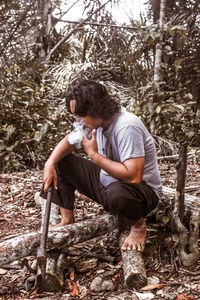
[50, 284]
[136, 281]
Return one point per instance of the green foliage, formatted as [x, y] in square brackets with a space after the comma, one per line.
[32, 109]
[30, 124]
[174, 107]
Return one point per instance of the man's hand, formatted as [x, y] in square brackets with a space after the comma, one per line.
[90, 146]
[49, 175]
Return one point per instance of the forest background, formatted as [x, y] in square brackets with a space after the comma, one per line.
[151, 66]
[39, 63]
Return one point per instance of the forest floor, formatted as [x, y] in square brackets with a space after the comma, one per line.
[167, 279]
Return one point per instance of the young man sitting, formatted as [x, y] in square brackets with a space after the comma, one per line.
[121, 173]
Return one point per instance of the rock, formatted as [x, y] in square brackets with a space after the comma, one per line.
[96, 284]
[100, 285]
[3, 271]
[145, 296]
[153, 280]
[126, 295]
[107, 285]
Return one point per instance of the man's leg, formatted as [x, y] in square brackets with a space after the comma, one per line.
[74, 172]
[67, 217]
[131, 203]
[137, 237]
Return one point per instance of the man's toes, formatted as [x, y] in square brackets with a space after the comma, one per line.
[140, 247]
[129, 247]
[134, 247]
[124, 246]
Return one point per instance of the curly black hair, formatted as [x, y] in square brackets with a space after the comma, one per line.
[92, 99]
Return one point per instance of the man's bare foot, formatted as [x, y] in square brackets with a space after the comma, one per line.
[67, 217]
[137, 237]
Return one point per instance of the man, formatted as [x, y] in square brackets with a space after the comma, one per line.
[122, 172]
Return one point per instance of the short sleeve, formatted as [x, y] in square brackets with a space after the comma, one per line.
[130, 142]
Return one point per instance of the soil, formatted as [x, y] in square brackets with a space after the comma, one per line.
[167, 278]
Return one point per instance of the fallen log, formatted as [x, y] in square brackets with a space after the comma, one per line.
[54, 215]
[62, 237]
[191, 202]
[133, 266]
[58, 238]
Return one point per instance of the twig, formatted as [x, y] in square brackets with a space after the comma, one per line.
[176, 156]
[72, 31]
[10, 267]
[16, 27]
[100, 24]
[189, 272]
[192, 188]
[103, 257]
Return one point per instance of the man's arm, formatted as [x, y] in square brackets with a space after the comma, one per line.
[130, 170]
[62, 149]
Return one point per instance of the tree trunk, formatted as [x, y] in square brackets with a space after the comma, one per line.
[158, 55]
[158, 60]
[192, 203]
[45, 21]
[188, 239]
[181, 174]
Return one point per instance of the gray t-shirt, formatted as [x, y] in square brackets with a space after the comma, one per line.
[127, 137]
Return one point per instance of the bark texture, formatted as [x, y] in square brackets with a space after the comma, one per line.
[54, 215]
[192, 203]
[58, 238]
[55, 266]
[188, 238]
[181, 174]
[158, 54]
[133, 266]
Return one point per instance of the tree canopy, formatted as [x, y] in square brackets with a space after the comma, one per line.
[39, 62]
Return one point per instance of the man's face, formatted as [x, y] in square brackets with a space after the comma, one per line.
[88, 122]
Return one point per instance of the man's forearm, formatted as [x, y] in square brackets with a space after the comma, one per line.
[117, 170]
[62, 149]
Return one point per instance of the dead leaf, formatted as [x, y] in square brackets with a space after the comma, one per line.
[184, 297]
[117, 275]
[72, 276]
[73, 288]
[36, 295]
[151, 287]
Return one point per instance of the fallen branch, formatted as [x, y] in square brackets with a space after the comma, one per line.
[192, 188]
[58, 238]
[191, 202]
[133, 265]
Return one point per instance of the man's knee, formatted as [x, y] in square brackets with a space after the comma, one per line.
[115, 198]
[122, 200]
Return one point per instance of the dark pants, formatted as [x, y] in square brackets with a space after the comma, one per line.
[128, 201]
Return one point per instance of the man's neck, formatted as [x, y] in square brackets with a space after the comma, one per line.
[106, 123]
